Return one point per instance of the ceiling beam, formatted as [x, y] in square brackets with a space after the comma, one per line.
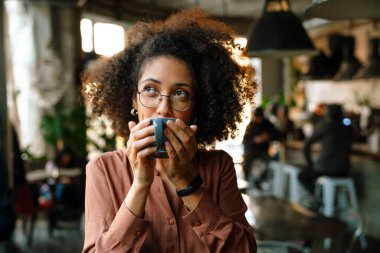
[133, 12]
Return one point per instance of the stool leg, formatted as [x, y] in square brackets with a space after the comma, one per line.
[293, 189]
[299, 190]
[280, 181]
[328, 209]
[318, 191]
[353, 199]
[328, 199]
[355, 206]
[342, 198]
[363, 240]
[277, 187]
[285, 186]
[327, 243]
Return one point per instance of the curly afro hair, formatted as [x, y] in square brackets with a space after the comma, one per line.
[222, 86]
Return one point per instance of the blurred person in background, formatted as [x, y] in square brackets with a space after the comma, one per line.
[257, 138]
[25, 205]
[18, 204]
[61, 191]
[7, 209]
[335, 136]
[283, 124]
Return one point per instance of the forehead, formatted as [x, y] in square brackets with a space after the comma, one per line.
[166, 69]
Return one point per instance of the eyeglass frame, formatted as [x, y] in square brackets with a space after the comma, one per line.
[160, 100]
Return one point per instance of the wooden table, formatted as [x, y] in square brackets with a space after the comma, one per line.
[276, 219]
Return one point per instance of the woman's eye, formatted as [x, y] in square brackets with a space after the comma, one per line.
[150, 90]
[182, 93]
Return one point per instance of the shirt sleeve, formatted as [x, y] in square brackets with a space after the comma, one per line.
[222, 226]
[107, 230]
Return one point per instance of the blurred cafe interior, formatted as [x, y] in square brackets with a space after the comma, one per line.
[307, 55]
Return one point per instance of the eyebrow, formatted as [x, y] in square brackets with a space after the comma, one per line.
[158, 82]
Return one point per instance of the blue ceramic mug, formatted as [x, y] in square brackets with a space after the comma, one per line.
[159, 126]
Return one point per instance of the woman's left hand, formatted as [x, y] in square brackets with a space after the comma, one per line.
[181, 147]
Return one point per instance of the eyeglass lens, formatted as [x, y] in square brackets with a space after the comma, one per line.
[180, 100]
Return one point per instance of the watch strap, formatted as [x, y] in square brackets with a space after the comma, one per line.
[193, 187]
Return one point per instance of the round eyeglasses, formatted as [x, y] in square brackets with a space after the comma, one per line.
[180, 100]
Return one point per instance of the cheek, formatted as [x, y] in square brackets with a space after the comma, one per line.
[187, 117]
[140, 112]
[144, 112]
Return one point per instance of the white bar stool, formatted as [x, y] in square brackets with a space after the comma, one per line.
[291, 184]
[330, 189]
[276, 173]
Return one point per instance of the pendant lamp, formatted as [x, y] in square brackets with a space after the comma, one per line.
[372, 70]
[278, 33]
[318, 68]
[344, 9]
[322, 66]
[350, 64]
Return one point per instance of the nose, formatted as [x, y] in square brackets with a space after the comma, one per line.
[164, 107]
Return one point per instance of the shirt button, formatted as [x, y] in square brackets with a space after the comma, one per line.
[171, 221]
[138, 234]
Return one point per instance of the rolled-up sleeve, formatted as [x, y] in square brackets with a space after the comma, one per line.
[222, 225]
[107, 230]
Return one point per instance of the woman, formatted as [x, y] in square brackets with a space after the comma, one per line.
[179, 68]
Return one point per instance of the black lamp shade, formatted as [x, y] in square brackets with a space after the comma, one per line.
[279, 34]
[372, 70]
[350, 64]
[319, 68]
[344, 9]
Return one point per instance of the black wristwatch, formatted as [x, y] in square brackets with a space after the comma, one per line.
[193, 187]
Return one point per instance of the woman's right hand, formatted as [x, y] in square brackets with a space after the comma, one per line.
[139, 153]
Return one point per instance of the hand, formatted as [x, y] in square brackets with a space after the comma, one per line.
[139, 153]
[181, 147]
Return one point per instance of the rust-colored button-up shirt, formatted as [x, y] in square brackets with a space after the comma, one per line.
[217, 224]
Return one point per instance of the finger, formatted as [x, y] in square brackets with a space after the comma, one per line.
[179, 125]
[173, 141]
[140, 130]
[194, 128]
[144, 143]
[135, 146]
[171, 152]
[146, 152]
[140, 125]
[143, 133]
[131, 124]
[188, 139]
[181, 131]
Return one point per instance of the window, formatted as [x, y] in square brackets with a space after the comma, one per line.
[104, 38]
